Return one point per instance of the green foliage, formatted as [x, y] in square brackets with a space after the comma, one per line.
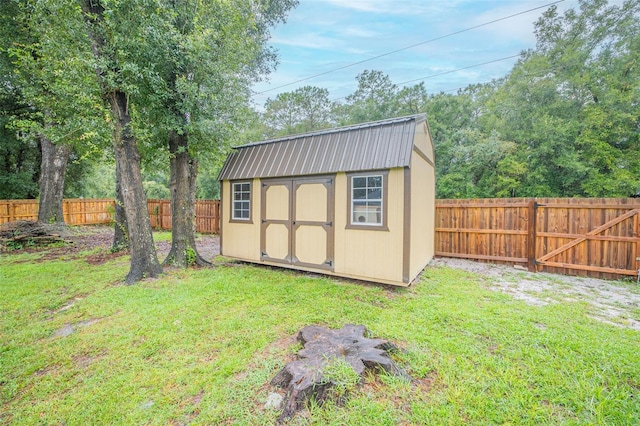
[305, 109]
[191, 256]
[341, 376]
[19, 170]
[208, 186]
[373, 98]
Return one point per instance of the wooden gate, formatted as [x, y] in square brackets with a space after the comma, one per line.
[599, 238]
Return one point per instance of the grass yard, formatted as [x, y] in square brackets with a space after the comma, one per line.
[200, 346]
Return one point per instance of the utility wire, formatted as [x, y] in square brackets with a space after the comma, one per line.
[408, 47]
[446, 72]
[459, 69]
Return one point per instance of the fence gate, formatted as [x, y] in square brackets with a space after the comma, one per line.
[600, 238]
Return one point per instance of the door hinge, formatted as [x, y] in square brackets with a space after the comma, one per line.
[264, 220]
[263, 254]
[329, 262]
[329, 223]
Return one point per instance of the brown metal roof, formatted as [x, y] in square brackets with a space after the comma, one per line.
[369, 146]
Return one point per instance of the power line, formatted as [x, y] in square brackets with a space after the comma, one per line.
[447, 72]
[459, 69]
[408, 47]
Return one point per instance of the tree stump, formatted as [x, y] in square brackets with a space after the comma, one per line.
[306, 377]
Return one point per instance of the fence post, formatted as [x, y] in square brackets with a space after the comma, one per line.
[531, 235]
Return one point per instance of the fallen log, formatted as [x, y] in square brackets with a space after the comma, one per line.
[28, 232]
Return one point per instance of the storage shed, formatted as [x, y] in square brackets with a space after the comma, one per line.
[355, 201]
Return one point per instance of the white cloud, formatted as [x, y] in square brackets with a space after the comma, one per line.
[308, 41]
[356, 31]
[395, 7]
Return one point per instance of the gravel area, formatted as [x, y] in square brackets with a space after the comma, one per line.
[614, 302]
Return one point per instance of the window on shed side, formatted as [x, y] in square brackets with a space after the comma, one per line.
[367, 199]
[241, 201]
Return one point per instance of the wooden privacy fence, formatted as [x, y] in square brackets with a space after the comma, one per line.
[75, 211]
[101, 211]
[597, 237]
[207, 215]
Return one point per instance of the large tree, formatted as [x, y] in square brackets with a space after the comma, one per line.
[302, 110]
[49, 71]
[208, 57]
[373, 99]
[572, 105]
[116, 34]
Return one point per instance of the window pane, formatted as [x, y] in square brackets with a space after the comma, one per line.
[374, 181]
[241, 200]
[374, 205]
[366, 201]
[374, 194]
[359, 182]
[367, 212]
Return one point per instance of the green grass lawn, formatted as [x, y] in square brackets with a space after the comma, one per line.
[200, 347]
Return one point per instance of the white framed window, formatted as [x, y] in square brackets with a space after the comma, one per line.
[241, 201]
[367, 193]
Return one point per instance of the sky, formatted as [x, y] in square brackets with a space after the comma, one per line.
[321, 35]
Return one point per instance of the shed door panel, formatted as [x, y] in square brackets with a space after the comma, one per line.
[297, 222]
[312, 223]
[275, 230]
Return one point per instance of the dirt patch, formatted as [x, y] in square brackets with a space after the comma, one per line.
[68, 329]
[614, 302]
[84, 361]
[103, 257]
[100, 238]
[425, 384]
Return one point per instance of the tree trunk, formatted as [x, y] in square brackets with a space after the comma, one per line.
[182, 185]
[144, 260]
[121, 232]
[52, 170]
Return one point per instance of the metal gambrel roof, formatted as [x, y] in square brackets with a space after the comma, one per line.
[369, 146]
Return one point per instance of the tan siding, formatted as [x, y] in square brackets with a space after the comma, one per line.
[241, 240]
[372, 255]
[423, 141]
[422, 214]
